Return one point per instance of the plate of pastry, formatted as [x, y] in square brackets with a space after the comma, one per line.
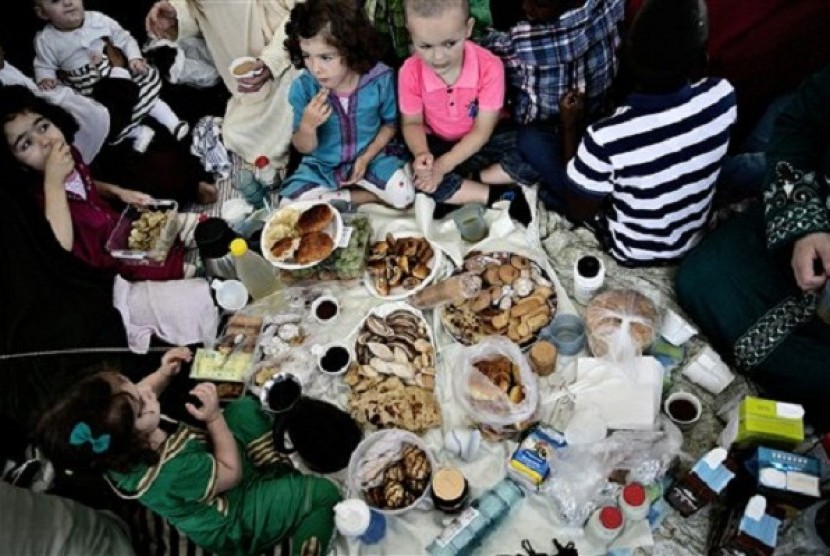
[301, 234]
[401, 264]
[517, 300]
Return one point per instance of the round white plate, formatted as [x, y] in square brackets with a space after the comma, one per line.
[334, 230]
[399, 292]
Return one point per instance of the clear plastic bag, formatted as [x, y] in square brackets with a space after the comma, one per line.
[621, 324]
[486, 402]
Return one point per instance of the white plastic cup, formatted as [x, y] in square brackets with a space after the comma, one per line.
[234, 67]
[231, 295]
[709, 371]
[235, 211]
[589, 276]
[675, 329]
[669, 408]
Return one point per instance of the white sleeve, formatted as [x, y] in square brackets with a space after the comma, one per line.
[120, 37]
[46, 61]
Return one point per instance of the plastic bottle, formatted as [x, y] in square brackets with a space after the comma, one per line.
[266, 173]
[634, 502]
[254, 271]
[604, 525]
[471, 526]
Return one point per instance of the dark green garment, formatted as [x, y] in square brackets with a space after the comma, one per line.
[390, 21]
[270, 503]
[731, 285]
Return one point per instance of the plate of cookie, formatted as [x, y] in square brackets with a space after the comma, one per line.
[401, 264]
[517, 300]
[301, 234]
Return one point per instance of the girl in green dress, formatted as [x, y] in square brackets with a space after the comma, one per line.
[224, 487]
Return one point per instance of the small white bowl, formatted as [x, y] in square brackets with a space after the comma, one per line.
[319, 301]
[320, 351]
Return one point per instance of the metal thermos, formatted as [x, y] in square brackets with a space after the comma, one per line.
[213, 238]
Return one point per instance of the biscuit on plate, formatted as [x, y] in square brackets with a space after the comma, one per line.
[315, 219]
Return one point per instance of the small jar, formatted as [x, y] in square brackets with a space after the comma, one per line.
[604, 525]
[450, 490]
[634, 502]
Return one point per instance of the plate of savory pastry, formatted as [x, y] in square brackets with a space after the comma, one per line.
[301, 235]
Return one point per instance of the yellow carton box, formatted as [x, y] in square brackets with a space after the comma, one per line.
[768, 421]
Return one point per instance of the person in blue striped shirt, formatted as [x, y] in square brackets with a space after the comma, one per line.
[645, 176]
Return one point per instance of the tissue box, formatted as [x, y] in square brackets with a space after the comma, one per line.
[768, 421]
[786, 478]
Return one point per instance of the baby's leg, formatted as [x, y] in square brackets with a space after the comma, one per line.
[163, 114]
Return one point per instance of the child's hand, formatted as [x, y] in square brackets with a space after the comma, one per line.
[131, 197]
[47, 84]
[571, 108]
[171, 361]
[162, 22]
[358, 171]
[139, 66]
[209, 410]
[317, 111]
[59, 164]
[423, 162]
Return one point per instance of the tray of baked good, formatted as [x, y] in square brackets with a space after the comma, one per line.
[517, 300]
[301, 235]
[144, 234]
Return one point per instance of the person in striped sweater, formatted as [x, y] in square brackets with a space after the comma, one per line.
[644, 177]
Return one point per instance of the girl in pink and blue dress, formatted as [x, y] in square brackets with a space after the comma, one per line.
[345, 109]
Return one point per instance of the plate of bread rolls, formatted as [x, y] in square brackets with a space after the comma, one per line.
[301, 235]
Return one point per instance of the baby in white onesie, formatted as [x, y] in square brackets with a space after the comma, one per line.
[72, 47]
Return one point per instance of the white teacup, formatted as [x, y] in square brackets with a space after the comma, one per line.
[239, 68]
[325, 309]
[672, 406]
[231, 295]
[333, 359]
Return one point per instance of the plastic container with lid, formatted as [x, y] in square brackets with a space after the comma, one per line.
[354, 518]
[450, 490]
[466, 285]
[253, 271]
[155, 253]
[604, 525]
[634, 502]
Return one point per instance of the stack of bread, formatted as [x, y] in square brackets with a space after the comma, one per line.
[300, 237]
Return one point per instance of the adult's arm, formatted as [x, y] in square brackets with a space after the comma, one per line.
[794, 202]
[274, 54]
[186, 23]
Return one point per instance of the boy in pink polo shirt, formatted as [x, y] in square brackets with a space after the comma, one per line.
[451, 93]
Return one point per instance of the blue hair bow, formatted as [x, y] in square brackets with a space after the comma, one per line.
[81, 433]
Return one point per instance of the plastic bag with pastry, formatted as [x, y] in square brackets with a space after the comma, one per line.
[621, 324]
[494, 383]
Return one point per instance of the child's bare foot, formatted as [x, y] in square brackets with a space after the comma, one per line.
[207, 193]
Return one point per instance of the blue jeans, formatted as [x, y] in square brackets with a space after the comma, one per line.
[540, 146]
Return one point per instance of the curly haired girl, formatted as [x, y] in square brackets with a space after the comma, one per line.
[345, 109]
[224, 487]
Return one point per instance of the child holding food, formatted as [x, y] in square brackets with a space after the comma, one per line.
[345, 109]
[224, 487]
[38, 158]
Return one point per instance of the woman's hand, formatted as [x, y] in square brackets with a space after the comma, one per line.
[262, 74]
[131, 197]
[810, 253]
[162, 21]
[59, 164]
[139, 66]
[317, 111]
[171, 361]
[209, 410]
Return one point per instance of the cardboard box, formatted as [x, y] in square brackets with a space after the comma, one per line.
[770, 422]
[786, 478]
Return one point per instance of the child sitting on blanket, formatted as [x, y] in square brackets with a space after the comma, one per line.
[451, 94]
[560, 45]
[345, 112]
[73, 43]
[646, 175]
[223, 487]
[38, 161]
